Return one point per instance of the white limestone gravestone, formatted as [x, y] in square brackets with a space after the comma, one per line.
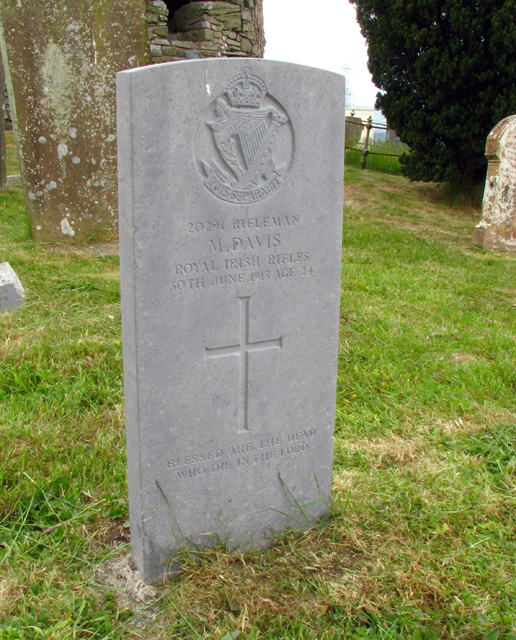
[230, 190]
[497, 228]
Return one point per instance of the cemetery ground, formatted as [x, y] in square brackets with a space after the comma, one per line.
[376, 161]
[421, 538]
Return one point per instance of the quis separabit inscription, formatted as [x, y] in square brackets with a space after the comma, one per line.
[248, 454]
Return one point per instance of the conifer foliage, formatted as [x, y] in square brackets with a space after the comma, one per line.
[446, 70]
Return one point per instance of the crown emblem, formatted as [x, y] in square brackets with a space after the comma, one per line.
[246, 90]
[245, 142]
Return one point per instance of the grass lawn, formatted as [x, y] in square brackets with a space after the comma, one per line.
[377, 163]
[13, 167]
[422, 539]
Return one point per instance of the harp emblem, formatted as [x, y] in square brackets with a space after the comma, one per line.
[245, 142]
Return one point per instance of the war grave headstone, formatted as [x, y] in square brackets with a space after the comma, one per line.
[230, 198]
[497, 228]
[11, 289]
[61, 60]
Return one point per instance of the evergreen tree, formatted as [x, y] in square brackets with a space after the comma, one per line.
[447, 74]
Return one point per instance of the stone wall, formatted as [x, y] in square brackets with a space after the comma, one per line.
[205, 29]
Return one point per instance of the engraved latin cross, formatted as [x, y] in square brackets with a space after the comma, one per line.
[242, 350]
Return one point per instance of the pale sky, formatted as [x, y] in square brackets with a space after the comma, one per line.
[324, 35]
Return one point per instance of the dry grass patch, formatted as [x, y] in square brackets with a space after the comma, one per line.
[394, 451]
[10, 594]
[255, 589]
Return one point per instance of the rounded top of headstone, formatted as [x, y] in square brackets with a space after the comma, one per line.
[497, 134]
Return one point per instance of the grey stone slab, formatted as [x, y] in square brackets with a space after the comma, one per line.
[230, 199]
[8, 298]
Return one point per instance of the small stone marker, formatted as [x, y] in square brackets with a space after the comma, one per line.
[497, 228]
[11, 290]
[354, 131]
[230, 197]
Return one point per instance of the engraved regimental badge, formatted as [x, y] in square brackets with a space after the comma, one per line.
[245, 142]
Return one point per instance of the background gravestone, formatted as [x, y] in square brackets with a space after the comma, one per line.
[497, 228]
[230, 187]
[3, 157]
[61, 59]
[354, 131]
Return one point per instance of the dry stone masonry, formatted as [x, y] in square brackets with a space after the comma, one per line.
[497, 228]
[204, 29]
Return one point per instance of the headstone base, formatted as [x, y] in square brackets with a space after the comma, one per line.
[497, 238]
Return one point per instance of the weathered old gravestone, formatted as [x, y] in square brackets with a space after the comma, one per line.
[497, 229]
[61, 59]
[3, 157]
[354, 131]
[230, 191]
[11, 289]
